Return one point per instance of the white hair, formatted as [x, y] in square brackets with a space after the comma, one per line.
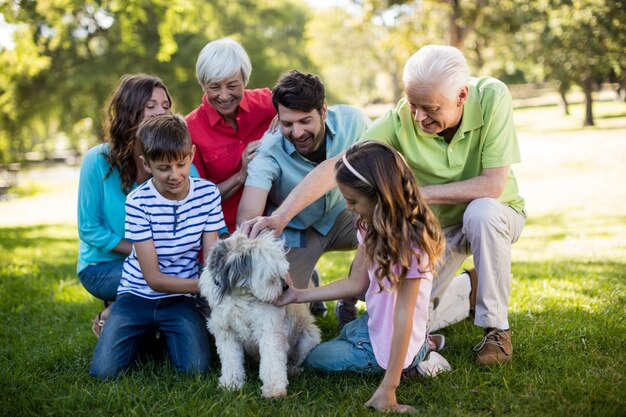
[221, 59]
[438, 65]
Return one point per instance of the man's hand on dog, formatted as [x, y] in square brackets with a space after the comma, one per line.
[253, 227]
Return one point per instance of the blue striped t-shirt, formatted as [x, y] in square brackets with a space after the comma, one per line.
[176, 227]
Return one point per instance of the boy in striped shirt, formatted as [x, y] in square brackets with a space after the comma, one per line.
[169, 218]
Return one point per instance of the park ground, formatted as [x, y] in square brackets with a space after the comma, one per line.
[568, 304]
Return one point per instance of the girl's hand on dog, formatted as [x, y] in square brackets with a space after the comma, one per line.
[289, 295]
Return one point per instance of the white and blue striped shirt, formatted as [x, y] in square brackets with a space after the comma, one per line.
[176, 227]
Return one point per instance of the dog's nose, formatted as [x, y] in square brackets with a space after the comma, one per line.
[285, 286]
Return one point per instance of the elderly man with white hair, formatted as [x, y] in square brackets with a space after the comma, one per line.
[456, 133]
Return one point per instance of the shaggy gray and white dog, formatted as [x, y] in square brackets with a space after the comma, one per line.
[241, 280]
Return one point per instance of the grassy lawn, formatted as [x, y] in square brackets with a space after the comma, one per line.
[568, 310]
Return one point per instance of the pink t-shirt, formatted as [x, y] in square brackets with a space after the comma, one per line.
[381, 307]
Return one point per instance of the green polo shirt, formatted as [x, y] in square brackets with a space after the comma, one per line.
[486, 138]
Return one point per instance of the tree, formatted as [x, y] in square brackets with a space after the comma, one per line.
[70, 53]
[581, 42]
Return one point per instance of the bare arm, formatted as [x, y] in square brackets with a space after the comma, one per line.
[317, 183]
[208, 240]
[147, 256]
[490, 183]
[231, 185]
[353, 286]
[384, 398]
[252, 203]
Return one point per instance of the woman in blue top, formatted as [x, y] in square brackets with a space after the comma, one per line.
[108, 173]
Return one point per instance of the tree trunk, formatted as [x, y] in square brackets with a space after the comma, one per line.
[587, 86]
[564, 103]
[457, 35]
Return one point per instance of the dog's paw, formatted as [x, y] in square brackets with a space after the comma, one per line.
[273, 392]
[230, 383]
[294, 370]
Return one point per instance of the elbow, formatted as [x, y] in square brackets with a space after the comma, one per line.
[495, 188]
[495, 192]
[153, 283]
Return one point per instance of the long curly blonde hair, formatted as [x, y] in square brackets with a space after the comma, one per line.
[123, 115]
[401, 220]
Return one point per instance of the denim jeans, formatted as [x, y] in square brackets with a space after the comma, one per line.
[131, 327]
[102, 280]
[351, 351]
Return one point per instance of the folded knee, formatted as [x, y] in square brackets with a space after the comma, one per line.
[483, 212]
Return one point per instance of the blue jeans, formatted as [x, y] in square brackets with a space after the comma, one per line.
[351, 351]
[131, 327]
[102, 280]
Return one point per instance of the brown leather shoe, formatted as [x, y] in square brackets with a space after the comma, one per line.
[495, 348]
[474, 285]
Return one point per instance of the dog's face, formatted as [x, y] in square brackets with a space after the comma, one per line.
[239, 264]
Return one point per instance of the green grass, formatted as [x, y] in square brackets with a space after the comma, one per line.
[28, 189]
[567, 309]
[567, 316]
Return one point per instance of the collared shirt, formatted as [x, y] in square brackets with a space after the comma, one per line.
[175, 227]
[219, 147]
[278, 168]
[486, 138]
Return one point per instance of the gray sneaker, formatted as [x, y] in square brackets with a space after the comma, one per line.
[345, 311]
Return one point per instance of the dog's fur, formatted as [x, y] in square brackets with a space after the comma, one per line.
[241, 280]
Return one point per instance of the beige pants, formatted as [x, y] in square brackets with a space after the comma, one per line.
[489, 229]
[342, 236]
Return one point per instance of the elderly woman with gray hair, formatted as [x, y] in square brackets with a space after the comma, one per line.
[227, 126]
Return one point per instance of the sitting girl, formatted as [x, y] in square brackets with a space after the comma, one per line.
[400, 243]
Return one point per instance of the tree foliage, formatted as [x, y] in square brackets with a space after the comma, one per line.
[580, 42]
[567, 41]
[69, 54]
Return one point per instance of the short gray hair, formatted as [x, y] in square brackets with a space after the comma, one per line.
[220, 59]
[440, 65]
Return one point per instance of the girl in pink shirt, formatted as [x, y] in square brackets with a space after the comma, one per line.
[400, 243]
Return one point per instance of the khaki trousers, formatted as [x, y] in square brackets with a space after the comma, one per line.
[342, 236]
[488, 230]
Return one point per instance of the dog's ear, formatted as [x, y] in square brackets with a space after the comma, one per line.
[217, 264]
[240, 268]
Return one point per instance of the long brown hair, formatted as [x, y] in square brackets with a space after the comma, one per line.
[401, 220]
[123, 115]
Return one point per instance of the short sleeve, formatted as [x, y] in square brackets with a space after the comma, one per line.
[263, 169]
[501, 147]
[137, 228]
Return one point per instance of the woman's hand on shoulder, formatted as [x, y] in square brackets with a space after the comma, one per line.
[249, 153]
[246, 156]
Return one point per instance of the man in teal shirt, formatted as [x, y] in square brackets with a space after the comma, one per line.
[458, 137]
[310, 133]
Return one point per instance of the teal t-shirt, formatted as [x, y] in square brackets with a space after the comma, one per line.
[486, 138]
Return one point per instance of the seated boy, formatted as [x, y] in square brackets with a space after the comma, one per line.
[169, 218]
